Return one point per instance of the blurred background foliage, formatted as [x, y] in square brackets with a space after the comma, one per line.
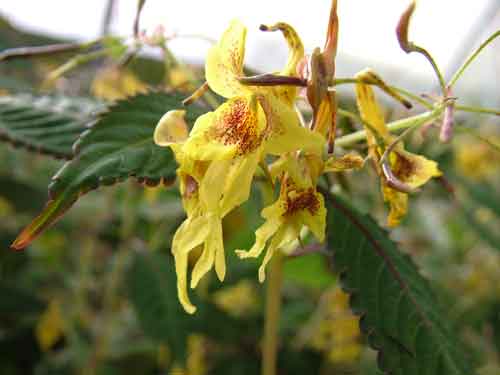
[96, 293]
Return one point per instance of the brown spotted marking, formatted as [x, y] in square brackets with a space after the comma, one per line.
[403, 167]
[190, 186]
[238, 126]
[298, 199]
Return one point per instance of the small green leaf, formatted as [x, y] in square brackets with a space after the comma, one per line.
[400, 313]
[120, 145]
[46, 124]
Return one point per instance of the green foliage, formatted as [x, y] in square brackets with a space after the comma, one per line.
[478, 196]
[151, 286]
[118, 146]
[400, 313]
[47, 124]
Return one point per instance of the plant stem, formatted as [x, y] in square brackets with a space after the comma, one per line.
[431, 60]
[51, 49]
[471, 58]
[484, 111]
[272, 314]
[140, 5]
[360, 135]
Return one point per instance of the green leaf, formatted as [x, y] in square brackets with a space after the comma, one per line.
[120, 145]
[477, 195]
[151, 286]
[46, 124]
[400, 314]
[483, 194]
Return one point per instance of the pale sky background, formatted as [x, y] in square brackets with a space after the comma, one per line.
[367, 36]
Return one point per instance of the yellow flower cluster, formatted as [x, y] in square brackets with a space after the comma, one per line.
[219, 157]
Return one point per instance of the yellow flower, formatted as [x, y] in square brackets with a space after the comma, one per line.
[403, 171]
[280, 130]
[298, 205]
[219, 157]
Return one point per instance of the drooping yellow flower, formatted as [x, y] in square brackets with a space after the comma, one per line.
[219, 157]
[298, 205]
[281, 131]
[403, 171]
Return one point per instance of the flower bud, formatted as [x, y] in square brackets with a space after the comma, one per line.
[402, 29]
[448, 120]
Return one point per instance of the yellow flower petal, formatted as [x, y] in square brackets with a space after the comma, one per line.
[171, 128]
[398, 203]
[296, 54]
[204, 264]
[212, 185]
[344, 163]
[267, 230]
[414, 170]
[191, 233]
[238, 182]
[235, 128]
[370, 112]
[277, 239]
[224, 62]
[283, 237]
[181, 263]
[213, 251]
[284, 131]
[316, 220]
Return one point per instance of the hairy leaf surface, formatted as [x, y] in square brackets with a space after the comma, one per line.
[118, 146]
[46, 124]
[400, 313]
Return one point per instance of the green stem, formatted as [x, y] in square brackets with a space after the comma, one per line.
[74, 63]
[272, 314]
[431, 60]
[471, 58]
[484, 111]
[360, 135]
[409, 95]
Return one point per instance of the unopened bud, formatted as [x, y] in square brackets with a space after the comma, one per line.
[448, 120]
[332, 36]
[402, 28]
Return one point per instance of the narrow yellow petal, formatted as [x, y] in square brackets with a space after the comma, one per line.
[398, 203]
[181, 263]
[171, 128]
[238, 181]
[286, 235]
[370, 112]
[296, 54]
[203, 265]
[191, 233]
[217, 243]
[264, 232]
[224, 62]
[213, 252]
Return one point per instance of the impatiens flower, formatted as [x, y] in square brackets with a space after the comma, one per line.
[298, 205]
[219, 157]
[402, 172]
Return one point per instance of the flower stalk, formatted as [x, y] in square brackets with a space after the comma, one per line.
[272, 315]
